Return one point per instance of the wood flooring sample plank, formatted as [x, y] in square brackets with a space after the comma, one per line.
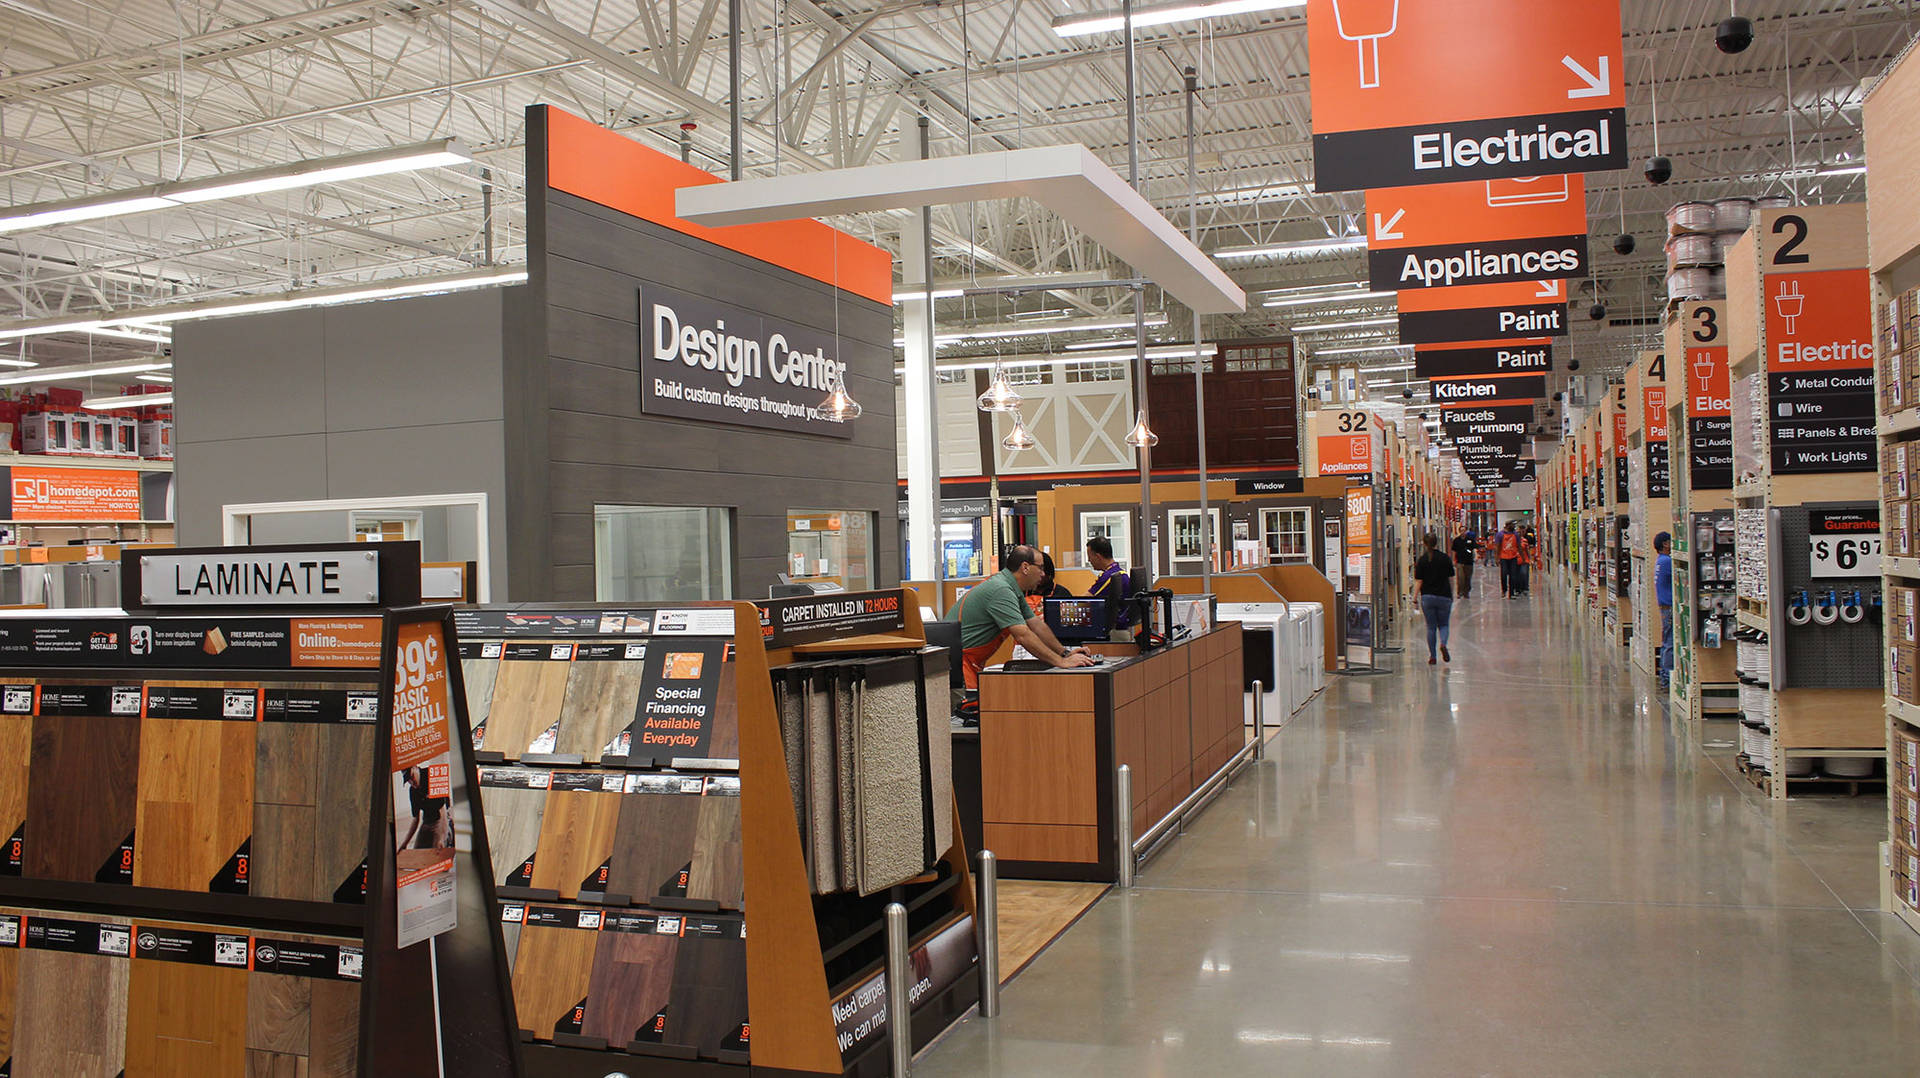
[553, 968]
[632, 977]
[70, 1004]
[513, 800]
[285, 822]
[81, 804]
[708, 1002]
[577, 832]
[10, 926]
[344, 789]
[478, 672]
[719, 873]
[186, 1017]
[527, 694]
[336, 1030]
[196, 803]
[303, 1018]
[724, 743]
[603, 695]
[16, 748]
[654, 840]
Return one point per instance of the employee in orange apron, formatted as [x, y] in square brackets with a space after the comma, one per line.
[993, 610]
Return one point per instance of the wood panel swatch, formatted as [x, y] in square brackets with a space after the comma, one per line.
[9, 989]
[285, 782]
[527, 696]
[479, 676]
[653, 843]
[719, 873]
[16, 747]
[601, 699]
[301, 1027]
[576, 837]
[709, 995]
[70, 1015]
[551, 972]
[80, 794]
[513, 816]
[632, 977]
[342, 805]
[724, 742]
[196, 800]
[185, 1020]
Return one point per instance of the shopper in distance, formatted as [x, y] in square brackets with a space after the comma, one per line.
[1433, 577]
[1663, 595]
[1463, 551]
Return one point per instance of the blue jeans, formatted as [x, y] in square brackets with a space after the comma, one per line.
[1666, 643]
[1438, 610]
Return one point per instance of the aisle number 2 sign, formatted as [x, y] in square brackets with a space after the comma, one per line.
[1440, 91]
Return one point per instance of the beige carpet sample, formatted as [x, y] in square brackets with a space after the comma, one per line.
[889, 810]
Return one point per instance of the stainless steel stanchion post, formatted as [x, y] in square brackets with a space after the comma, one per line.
[1259, 721]
[899, 992]
[988, 920]
[1123, 825]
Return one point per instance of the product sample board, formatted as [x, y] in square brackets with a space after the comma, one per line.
[627, 816]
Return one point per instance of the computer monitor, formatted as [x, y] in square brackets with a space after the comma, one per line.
[1078, 619]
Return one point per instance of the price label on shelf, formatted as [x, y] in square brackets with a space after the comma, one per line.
[1843, 543]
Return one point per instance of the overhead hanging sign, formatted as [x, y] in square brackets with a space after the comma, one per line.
[1343, 441]
[1485, 233]
[1511, 357]
[1487, 312]
[1819, 363]
[711, 361]
[1709, 396]
[1438, 91]
[1505, 388]
[1490, 419]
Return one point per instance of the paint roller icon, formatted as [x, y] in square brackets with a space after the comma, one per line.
[1365, 22]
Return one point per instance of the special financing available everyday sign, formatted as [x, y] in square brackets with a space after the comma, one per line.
[714, 362]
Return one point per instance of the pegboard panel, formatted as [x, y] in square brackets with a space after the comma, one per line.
[1837, 656]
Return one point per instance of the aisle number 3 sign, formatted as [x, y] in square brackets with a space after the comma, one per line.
[1410, 92]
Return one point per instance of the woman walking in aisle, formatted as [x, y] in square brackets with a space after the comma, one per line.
[1434, 573]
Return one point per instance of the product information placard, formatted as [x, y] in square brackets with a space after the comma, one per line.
[686, 694]
[714, 362]
[239, 643]
[422, 766]
[1819, 363]
[860, 1013]
[786, 622]
[1844, 542]
[88, 494]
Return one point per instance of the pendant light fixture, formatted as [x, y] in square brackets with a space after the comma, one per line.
[1000, 396]
[840, 405]
[1141, 436]
[1019, 437]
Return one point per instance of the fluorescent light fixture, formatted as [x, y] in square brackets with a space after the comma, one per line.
[1338, 297]
[85, 370]
[1328, 327]
[1390, 367]
[1256, 193]
[1162, 14]
[1329, 245]
[132, 400]
[130, 335]
[167, 378]
[1025, 329]
[436, 154]
[1081, 346]
[938, 293]
[1316, 289]
[1843, 170]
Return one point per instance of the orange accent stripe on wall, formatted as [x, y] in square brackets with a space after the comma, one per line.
[612, 170]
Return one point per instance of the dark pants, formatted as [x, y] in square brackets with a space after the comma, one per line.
[1463, 572]
[1439, 613]
[1509, 576]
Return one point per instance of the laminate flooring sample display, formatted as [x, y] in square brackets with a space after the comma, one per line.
[724, 744]
[846, 721]
[286, 766]
[653, 844]
[344, 804]
[889, 809]
[81, 803]
[312, 784]
[526, 697]
[185, 1019]
[478, 675]
[603, 694]
[70, 1015]
[301, 1023]
[196, 802]
[708, 1001]
[823, 812]
[632, 977]
[16, 748]
[552, 968]
[513, 799]
[576, 833]
[719, 873]
[937, 694]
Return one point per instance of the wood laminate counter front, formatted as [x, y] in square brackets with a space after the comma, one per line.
[1051, 741]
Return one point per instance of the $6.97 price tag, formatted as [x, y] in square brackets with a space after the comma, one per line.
[1844, 555]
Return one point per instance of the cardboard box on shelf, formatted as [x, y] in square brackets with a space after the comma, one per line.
[1903, 760]
[46, 432]
[1906, 817]
[1900, 669]
[1900, 542]
[156, 439]
[1902, 605]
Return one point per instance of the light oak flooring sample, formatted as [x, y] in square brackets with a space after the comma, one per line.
[551, 972]
[513, 813]
[526, 700]
[185, 1020]
[80, 794]
[70, 1015]
[602, 698]
[16, 748]
[576, 838]
[196, 800]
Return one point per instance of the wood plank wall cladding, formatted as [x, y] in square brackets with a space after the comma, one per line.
[80, 795]
[70, 1015]
[574, 385]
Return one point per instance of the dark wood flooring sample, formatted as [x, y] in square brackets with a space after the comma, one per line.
[527, 696]
[80, 794]
[513, 810]
[576, 834]
[708, 1001]
[196, 800]
[70, 1015]
[725, 742]
[301, 1026]
[603, 695]
[632, 976]
[653, 843]
[9, 989]
[16, 748]
[185, 1020]
[343, 799]
[718, 873]
[552, 968]
[285, 816]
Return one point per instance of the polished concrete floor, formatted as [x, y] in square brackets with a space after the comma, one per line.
[1510, 865]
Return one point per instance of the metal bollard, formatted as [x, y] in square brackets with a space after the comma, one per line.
[899, 992]
[988, 920]
[1259, 720]
[1123, 825]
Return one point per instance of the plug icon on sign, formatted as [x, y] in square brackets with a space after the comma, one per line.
[1702, 366]
[1365, 22]
[1790, 302]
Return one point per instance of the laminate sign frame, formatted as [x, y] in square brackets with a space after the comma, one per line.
[1477, 234]
[303, 575]
[1420, 92]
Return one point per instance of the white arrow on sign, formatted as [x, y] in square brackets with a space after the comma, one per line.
[1548, 290]
[1596, 85]
[1383, 230]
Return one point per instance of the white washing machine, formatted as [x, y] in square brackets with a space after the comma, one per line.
[1267, 640]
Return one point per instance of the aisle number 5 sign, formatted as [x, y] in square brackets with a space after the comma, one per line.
[1410, 92]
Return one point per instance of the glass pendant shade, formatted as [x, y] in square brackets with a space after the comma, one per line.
[1019, 437]
[840, 404]
[1141, 437]
[1000, 396]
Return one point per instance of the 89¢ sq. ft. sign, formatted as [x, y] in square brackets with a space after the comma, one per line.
[421, 756]
[1843, 542]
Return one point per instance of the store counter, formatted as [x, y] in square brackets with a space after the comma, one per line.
[1051, 741]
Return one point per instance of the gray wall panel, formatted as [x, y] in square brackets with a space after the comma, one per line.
[250, 376]
[211, 474]
[389, 367]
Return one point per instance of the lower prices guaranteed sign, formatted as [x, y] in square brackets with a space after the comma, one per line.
[422, 765]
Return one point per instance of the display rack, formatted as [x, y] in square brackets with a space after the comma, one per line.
[1705, 681]
[1650, 509]
[206, 813]
[691, 812]
[1891, 117]
[1801, 365]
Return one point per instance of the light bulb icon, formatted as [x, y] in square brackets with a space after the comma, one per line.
[1365, 22]
[1791, 303]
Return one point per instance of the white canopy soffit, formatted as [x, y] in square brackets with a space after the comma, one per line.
[1069, 180]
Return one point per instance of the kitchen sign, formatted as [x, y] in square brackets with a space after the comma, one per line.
[710, 361]
[1412, 92]
[1502, 387]
[1484, 233]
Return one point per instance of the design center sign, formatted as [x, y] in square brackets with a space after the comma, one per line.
[705, 360]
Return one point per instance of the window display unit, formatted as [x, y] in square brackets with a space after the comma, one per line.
[1115, 527]
[1189, 549]
[662, 553]
[1287, 534]
[830, 547]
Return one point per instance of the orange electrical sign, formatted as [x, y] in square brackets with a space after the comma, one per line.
[1487, 232]
[1438, 91]
[1818, 321]
[89, 494]
[1819, 365]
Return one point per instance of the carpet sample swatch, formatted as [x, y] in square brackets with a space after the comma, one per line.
[708, 1001]
[70, 1014]
[937, 726]
[632, 976]
[719, 873]
[552, 968]
[846, 721]
[603, 693]
[790, 703]
[653, 844]
[888, 799]
[576, 834]
[80, 797]
[823, 812]
[513, 800]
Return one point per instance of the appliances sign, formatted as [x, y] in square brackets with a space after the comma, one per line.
[709, 361]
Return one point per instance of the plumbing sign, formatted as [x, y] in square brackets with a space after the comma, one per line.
[1844, 542]
[1438, 91]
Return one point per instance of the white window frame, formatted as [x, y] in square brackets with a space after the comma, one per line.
[1121, 536]
[1269, 518]
[1174, 561]
[235, 518]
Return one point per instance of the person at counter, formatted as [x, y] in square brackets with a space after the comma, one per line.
[1112, 584]
[1049, 587]
[996, 608]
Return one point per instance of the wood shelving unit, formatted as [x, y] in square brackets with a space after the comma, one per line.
[1651, 502]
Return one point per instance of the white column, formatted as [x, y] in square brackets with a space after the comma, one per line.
[923, 416]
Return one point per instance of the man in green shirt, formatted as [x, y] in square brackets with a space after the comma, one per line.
[995, 608]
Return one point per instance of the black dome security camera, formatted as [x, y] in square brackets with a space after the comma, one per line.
[1659, 170]
[1597, 311]
[1623, 244]
[1541, 429]
[1407, 393]
[1573, 364]
[1733, 34]
[1556, 400]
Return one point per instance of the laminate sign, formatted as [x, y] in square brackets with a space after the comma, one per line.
[786, 622]
[711, 361]
[1514, 357]
[1486, 312]
[70, 1016]
[339, 643]
[1440, 91]
[680, 702]
[195, 816]
[1709, 396]
[1486, 233]
[309, 578]
[860, 1013]
[1819, 364]
[420, 754]
[1506, 387]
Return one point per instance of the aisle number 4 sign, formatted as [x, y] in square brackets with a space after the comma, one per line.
[1412, 92]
